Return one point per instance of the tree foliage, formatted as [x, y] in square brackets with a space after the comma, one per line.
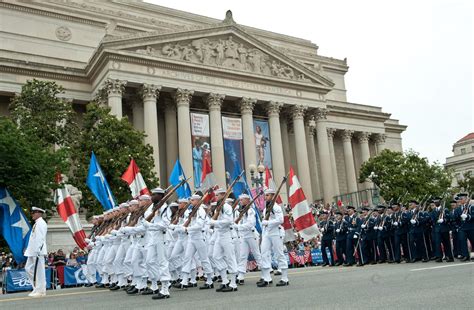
[406, 175]
[114, 142]
[27, 168]
[466, 183]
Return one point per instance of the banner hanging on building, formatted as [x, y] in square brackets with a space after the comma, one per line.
[233, 151]
[262, 143]
[201, 145]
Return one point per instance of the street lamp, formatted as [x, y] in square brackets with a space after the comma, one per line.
[375, 195]
[257, 180]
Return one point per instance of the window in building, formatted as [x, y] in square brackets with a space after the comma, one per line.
[463, 151]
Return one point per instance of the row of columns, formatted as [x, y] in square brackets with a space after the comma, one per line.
[179, 143]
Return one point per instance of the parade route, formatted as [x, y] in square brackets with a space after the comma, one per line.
[399, 286]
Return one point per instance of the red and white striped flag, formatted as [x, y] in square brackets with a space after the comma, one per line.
[208, 179]
[269, 183]
[304, 221]
[135, 181]
[67, 211]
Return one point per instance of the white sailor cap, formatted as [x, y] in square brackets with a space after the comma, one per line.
[133, 202]
[214, 203]
[183, 200]
[269, 191]
[36, 209]
[158, 190]
[124, 205]
[244, 196]
[173, 204]
[144, 197]
[229, 200]
[96, 217]
[219, 191]
[195, 197]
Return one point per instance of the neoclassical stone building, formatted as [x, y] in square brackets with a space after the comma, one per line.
[158, 66]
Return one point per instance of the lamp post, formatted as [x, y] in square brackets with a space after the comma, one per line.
[375, 191]
[257, 179]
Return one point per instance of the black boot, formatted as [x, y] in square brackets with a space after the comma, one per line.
[160, 296]
[283, 283]
[206, 286]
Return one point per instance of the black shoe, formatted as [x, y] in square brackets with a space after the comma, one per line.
[283, 283]
[160, 296]
[133, 291]
[206, 287]
[219, 279]
[277, 273]
[88, 285]
[149, 291]
[126, 288]
[338, 264]
[465, 259]
[324, 265]
[181, 286]
[439, 260]
[263, 284]
[425, 260]
[373, 262]
[229, 289]
[214, 278]
[348, 264]
[221, 287]
[130, 289]
[450, 260]
[100, 285]
[192, 285]
[240, 282]
[115, 288]
[107, 285]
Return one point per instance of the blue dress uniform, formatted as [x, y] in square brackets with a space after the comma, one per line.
[327, 229]
[465, 214]
[440, 219]
[454, 225]
[417, 241]
[353, 224]
[340, 229]
[400, 222]
[384, 243]
[370, 241]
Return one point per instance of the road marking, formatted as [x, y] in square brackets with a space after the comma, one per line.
[439, 267]
[49, 296]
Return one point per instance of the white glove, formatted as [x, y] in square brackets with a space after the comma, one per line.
[464, 216]
[265, 223]
[413, 221]
[146, 223]
[440, 221]
[322, 229]
[395, 223]
[338, 230]
[87, 240]
[363, 226]
[355, 237]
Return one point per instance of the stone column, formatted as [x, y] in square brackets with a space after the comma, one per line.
[214, 102]
[273, 110]
[138, 114]
[380, 142]
[286, 142]
[171, 129]
[182, 98]
[313, 164]
[150, 94]
[250, 153]
[115, 89]
[349, 160]
[332, 154]
[304, 175]
[324, 155]
[363, 138]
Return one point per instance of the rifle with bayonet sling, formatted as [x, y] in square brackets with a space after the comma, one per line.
[270, 205]
[227, 193]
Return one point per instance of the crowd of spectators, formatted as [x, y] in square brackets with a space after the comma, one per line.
[75, 258]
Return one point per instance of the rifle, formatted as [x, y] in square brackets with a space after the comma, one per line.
[226, 195]
[269, 207]
[195, 209]
[247, 208]
[164, 199]
[365, 223]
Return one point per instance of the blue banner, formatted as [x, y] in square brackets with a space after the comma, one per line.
[317, 256]
[17, 280]
[77, 275]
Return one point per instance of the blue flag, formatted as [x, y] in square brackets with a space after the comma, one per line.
[15, 227]
[177, 175]
[99, 186]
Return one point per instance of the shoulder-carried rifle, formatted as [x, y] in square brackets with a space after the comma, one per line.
[269, 207]
[168, 194]
[247, 208]
[227, 193]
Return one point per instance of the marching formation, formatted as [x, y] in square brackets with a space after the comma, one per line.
[149, 241]
[417, 232]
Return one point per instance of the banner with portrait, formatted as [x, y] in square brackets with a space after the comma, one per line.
[233, 151]
[262, 142]
[201, 141]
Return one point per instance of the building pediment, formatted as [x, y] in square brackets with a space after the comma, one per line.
[220, 47]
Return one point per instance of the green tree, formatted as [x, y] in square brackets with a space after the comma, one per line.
[405, 174]
[114, 142]
[466, 184]
[40, 113]
[27, 168]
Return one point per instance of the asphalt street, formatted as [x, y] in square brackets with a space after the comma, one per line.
[388, 286]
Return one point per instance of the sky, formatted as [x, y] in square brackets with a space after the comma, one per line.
[412, 58]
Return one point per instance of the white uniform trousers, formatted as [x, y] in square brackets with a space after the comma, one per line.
[248, 245]
[194, 246]
[224, 253]
[273, 244]
[91, 266]
[177, 254]
[127, 261]
[39, 286]
[157, 263]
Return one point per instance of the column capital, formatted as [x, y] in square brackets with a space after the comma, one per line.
[321, 114]
[331, 133]
[273, 108]
[347, 135]
[114, 86]
[169, 104]
[183, 97]
[246, 105]
[150, 91]
[380, 138]
[298, 111]
[214, 101]
[363, 136]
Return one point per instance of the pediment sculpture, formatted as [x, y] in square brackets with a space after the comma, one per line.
[227, 53]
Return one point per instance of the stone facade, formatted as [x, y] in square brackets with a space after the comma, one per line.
[158, 64]
[462, 160]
